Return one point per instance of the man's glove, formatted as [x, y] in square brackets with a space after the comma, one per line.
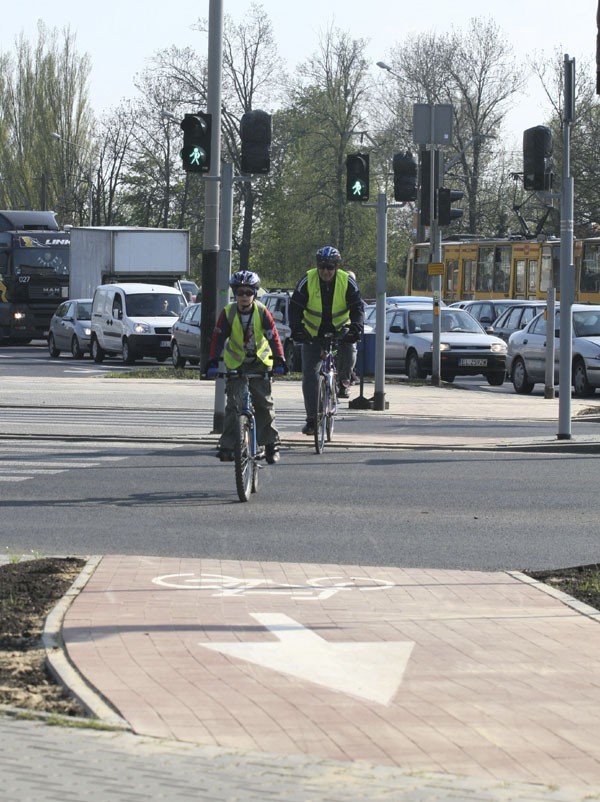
[300, 335]
[280, 367]
[212, 368]
[353, 334]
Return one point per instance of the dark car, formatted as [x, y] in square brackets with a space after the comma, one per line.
[70, 328]
[516, 318]
[185, 337]
[486, 312]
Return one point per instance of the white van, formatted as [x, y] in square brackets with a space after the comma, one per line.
[134, 320]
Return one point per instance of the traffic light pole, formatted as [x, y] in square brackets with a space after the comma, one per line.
[380, 290]
[567, 271]
[435, 248]
[210, 248]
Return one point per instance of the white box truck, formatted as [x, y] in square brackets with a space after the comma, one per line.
[110, 254]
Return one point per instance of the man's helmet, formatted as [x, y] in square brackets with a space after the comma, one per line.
[329, 256]
[246, 278]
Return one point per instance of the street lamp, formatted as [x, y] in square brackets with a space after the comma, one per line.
[56, 135]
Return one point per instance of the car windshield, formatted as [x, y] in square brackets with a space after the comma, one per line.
[586, 324]
[84, 311]
[452, 320]
[155, 304]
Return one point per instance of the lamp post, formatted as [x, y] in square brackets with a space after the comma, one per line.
[56, 135]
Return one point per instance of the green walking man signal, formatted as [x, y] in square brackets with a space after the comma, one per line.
[195, 154]
[357, 177]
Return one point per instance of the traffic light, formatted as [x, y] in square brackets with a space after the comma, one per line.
[405, 177]
[255, 134]
[195, 153]
[357, 177]
[425, 183]
[537, 161]
[446, 197]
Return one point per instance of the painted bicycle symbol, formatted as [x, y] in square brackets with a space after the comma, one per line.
[316, 589]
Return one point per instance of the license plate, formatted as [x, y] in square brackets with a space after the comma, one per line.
[165, 344]
[472, 363]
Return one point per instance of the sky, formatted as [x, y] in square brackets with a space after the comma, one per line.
[121, 35]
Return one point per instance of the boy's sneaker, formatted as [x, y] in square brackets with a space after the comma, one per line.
[309, 427]
[272, 453]
[225, 455]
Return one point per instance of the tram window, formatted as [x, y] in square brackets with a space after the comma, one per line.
[420, 276]
[502, 270]
[452, 277]
[532, 283]
[485, 270]
[546, 273]
[556, 268]
[520, 275]
[590, 268]
[469, 275]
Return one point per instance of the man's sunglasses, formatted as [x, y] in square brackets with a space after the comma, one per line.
[244, 292]
[326, 267]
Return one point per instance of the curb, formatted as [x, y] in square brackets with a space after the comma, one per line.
[61, 667]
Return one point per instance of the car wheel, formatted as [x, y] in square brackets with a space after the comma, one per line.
[97, 352]
[52, 349]
[413, 369]
[448, 377]
[176, 358]
[128, 353]
[581, 385]
[520, 378]
[495, 379]
[289, 353]
[76, 350]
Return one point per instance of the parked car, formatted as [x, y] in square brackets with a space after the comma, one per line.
[465, 348]
[185, 337]
[516, 318]
[486, 312]
[278, 302]
[394, 300]
[526, 358]
[190, 290]
[70, 328]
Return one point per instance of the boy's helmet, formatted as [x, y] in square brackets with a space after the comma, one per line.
[246, 278]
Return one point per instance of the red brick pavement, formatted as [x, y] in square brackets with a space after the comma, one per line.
[470, 673]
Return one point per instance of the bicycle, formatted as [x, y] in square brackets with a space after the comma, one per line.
[326, 393]
[246, 450]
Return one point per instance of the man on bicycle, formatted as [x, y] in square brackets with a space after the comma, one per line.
[245, 334]
[326, 300]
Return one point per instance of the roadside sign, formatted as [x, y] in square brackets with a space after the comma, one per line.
[435, 269]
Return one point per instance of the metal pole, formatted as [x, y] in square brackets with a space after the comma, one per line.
[550, 350]
[380, 290]
[90, 193]
[223, 272]
[567, 273]
[211, 193]
[435, 247]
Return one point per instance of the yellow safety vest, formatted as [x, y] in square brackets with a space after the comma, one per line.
[313, 312]
[235, 351]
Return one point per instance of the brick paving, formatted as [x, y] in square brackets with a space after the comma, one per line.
[490, 677]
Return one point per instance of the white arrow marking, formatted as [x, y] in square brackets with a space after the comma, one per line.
[372, 671]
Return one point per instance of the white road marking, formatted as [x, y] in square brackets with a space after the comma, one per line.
[371, 670]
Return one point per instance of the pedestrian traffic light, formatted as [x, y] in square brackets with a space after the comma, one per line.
[357, 177]
[195, 153]
[405, 177]
[537, 158]
[255, 134]
[446, 197]
[425, 157]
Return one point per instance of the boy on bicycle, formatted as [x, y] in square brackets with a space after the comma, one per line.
[326, 300]
[245, 334]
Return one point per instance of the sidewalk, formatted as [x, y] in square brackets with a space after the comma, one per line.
[232, 680]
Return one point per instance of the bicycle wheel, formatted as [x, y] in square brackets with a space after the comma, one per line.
[243, 460]
[321, 418]
[331, 407]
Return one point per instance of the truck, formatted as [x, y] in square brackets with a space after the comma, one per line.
[120, 254]
[34, 273]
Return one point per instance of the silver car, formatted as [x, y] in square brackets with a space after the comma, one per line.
[186, 336]
[70, 328]
[465, 348]
[526, 359]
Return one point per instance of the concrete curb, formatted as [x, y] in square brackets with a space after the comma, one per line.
[575, 604]
[61, 667]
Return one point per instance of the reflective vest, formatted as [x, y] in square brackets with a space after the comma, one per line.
[313, 312]
[235, 350]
